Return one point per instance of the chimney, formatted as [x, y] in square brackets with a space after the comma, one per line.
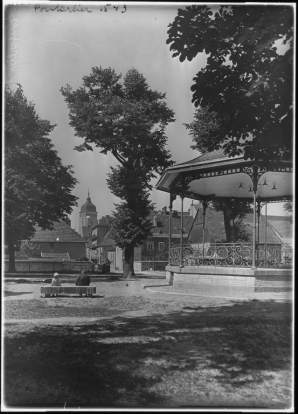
[154, 221]
[164, 210]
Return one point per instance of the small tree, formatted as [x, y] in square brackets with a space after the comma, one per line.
[289, 208]
[37, 185]
[128, 120]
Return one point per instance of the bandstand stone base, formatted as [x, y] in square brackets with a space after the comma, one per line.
[226, 281]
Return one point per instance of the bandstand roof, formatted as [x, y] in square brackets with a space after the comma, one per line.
[216, 176]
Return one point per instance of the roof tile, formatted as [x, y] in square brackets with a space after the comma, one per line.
[61, 230]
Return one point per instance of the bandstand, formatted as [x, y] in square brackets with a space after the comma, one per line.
[229, 268]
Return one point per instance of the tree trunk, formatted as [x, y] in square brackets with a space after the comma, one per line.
[128, 270]
[11, 258]
[229, 223]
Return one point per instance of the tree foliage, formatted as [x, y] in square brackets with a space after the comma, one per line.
[246, 87]
[28, 249]
[37, 185]
[288, 207]
[127, 119]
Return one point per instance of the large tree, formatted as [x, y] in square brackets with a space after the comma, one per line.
[234, 211]
[204, 124]
[127, 119]
[248, 79]
[37, 185]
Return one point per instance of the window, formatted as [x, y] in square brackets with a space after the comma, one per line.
[161, 246]
[150, 245]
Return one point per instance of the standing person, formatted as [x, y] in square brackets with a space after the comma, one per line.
[56, 281]
[108, 265]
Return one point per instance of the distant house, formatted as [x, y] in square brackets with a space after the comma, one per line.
[60, 243]
[108, 250]
[98, 232]
[154, 252]
[215, 230]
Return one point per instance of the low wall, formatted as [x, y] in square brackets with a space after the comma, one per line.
[49, 266]
[229, 282]
[140, 266]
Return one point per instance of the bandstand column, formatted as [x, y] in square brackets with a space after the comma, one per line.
[170, 224]
[255, 186]
[204, 225]
[259, 213]
[265, 247]
[181, 234]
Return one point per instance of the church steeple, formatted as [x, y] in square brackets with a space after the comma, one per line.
[88, 217]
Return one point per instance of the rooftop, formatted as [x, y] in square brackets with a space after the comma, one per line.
[282, 225]
[61, 231]
[162, 223]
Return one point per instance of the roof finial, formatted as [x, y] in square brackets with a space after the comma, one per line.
[88, 193]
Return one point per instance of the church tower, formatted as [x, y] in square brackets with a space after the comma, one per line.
[88, 217]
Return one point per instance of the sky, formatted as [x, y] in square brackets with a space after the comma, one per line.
[47, 48]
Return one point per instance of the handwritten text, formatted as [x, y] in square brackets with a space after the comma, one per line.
[75, 8]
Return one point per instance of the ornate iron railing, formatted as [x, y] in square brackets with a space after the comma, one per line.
[232, 255]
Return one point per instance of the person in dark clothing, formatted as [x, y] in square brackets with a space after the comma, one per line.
[83, 279]
[106, 266]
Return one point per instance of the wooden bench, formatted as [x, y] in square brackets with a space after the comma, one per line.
[56, 290]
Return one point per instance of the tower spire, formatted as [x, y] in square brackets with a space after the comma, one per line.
[88, 193]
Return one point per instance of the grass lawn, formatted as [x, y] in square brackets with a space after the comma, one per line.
[218, 356]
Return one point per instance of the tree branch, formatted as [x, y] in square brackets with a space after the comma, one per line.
[119, 157]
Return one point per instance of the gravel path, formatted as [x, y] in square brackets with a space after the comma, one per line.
[23, 301]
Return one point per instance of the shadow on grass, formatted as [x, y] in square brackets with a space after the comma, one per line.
[10, 293]
[139, 361]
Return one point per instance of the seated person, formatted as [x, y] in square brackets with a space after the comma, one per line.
[55, 281]
[83, 279]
